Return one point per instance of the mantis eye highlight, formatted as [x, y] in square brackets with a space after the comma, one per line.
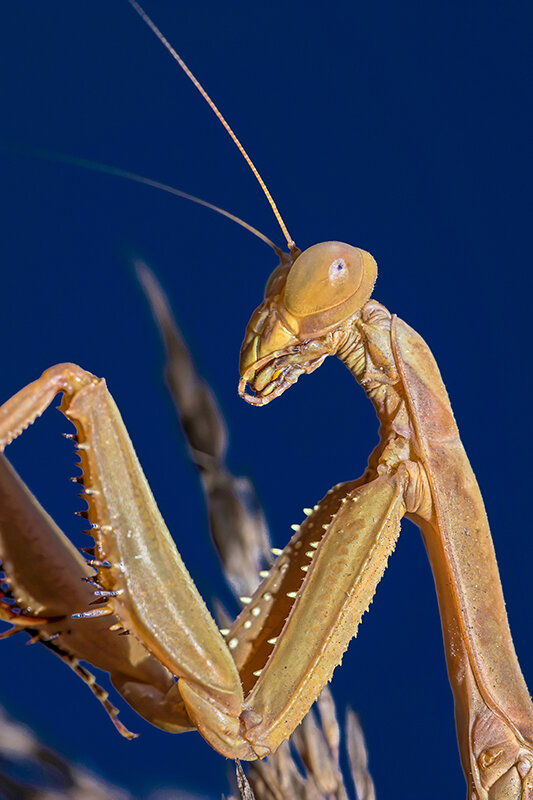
[337, 270]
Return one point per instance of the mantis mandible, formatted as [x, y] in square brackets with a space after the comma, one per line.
[302, 390]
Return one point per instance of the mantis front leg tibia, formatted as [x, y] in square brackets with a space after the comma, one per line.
[143, 582]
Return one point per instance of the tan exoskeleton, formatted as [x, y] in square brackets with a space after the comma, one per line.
[318, 307]
[247, 689]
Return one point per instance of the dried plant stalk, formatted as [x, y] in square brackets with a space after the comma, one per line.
[32, 771]
[236, 520]
[358, 757]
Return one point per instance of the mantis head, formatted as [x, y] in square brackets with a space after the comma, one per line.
[311, 299]
[310, 303]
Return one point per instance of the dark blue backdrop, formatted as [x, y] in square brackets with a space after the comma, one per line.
[399, 127]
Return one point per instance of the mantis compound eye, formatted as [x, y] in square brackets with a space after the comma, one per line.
[327, 283]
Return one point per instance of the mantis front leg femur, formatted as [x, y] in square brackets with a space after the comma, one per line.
[246, 690]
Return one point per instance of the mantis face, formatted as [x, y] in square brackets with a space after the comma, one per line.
[308, 305]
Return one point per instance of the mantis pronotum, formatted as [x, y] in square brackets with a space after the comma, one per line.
[380, 236]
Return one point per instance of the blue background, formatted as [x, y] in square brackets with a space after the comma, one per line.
[399, 127]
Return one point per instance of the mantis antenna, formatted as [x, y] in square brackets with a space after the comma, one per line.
[96, 166]
[144, 16]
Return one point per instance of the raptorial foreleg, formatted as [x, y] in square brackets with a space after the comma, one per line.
[144, 582]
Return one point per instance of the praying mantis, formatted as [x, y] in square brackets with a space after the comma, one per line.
[349, 470]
